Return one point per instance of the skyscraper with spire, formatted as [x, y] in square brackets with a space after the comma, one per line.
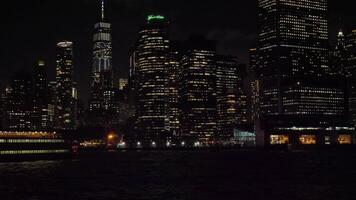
[101, 100]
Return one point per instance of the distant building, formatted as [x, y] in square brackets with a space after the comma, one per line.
[18, 106]
[65, 103]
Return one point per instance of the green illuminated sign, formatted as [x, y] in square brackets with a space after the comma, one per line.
[155, 17]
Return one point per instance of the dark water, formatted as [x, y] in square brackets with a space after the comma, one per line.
[185, 175]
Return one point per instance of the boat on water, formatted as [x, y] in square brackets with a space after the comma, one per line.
[21, 145]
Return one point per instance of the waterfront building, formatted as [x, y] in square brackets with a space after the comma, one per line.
[151, 80]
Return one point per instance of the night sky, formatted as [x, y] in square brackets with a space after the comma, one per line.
[30, 29]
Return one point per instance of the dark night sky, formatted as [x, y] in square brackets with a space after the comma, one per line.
[30, 29]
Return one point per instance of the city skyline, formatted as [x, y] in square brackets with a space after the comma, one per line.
[234, 34]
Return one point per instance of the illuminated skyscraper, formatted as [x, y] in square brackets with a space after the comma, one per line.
[293, 42]
[40, 97]
[102, 105]
[297, 87]
[65, 102]
[151, 75]
[198, 91]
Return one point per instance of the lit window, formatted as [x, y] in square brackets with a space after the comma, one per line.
[307, 139]
[279, 139]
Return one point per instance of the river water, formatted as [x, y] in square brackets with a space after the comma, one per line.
[185, 175]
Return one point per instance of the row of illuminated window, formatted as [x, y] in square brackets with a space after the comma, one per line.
[31, 141]
[19, 152]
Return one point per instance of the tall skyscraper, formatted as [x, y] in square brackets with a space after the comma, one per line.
[65, 102]
[198, 91]
[40, 97]
[297, 87]
[102, 105]
[102, 74]
[152, 91]
[293, 43]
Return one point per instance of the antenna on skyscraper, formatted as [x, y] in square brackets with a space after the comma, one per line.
[102, 10]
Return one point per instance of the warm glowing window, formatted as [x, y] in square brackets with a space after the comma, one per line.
[279, 139]
[345, 139]
[307, 139]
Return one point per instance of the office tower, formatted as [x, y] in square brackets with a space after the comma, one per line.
[19, 103]
[198, 91]
[65, 103]
[293, 43]
[297, 89]
[40, 97]
[152, 91]
[228, 88]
